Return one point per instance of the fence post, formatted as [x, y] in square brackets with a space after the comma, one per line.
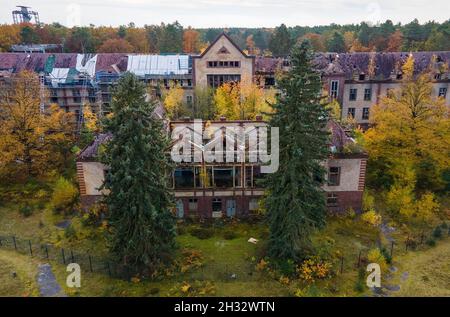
[109, 269]
[392, 248]
[72, 257]
[31, 250]
[46, 251]
[90, 263]
[15, 244]
[359, 258]
[63, 256]
[342, 265]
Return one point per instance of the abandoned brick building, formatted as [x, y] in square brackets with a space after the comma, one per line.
[356, 80]
[232, 189]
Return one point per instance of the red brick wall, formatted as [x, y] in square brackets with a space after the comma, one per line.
[347, 200]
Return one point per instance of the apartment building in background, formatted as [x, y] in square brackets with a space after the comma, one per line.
[356, 80]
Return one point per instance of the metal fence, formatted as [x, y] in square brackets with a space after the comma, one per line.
[211, 270]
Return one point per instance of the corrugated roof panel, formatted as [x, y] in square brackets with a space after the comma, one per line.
[142, 65]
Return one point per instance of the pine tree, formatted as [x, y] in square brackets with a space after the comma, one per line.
[142, 226]
[280, 41]
[295, 202]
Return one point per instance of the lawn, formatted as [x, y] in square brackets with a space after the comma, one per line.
[428, 272]
[24, 281]
[224, 263]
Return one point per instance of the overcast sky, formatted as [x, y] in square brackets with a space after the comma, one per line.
[227, 13]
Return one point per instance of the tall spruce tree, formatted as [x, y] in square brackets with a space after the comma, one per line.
[295, 202]
[142, 226]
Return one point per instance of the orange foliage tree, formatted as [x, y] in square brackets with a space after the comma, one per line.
[191, 41]
[32, 142]
[116, 46]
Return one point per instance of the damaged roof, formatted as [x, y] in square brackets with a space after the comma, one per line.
[348, 64]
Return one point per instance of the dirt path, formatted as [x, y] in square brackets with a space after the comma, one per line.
[48, 286]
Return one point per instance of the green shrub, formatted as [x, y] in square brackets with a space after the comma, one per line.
[286, 267]
[26, 211]
[202, 233]
[437, 233]
[229, 235]
[70, 232]
[431, 242]
[181, 230]
[64, 195]
[386, 255]
[444, 226]
[360, 285]
[154, 291]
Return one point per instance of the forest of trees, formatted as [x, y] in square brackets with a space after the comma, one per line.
[174, 38]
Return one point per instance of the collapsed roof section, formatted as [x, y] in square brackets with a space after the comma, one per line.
[349, 64]
[158, 65]
[380, 65]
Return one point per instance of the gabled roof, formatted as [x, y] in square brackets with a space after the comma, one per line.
[216, 40]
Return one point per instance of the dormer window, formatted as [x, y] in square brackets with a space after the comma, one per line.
[399, 76]
[362, 77]
[438, 76]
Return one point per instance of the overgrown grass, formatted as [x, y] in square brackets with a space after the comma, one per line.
[24, 283]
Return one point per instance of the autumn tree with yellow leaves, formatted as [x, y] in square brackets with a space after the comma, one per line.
[239, 101]
[32, 142]
[173, 101]
[409, 143]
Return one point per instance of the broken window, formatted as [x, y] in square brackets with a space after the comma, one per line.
[238, 176]
[216, 204]
[334, 175]
[269, 81]
[334, 89]
[443, 92]
[217, 80]
[249, 176]
[184, 177]
[223, 177]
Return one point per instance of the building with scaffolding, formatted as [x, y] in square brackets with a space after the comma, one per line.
[356, 80]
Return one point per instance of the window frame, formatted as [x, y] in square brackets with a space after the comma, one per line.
[351, 111]
[335, 199]
[353, 94]
[368, 96]
[337, 175]
[334, 91]
[365, 113]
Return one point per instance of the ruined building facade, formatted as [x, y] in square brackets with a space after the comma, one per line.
[232, 189]
[356, 80]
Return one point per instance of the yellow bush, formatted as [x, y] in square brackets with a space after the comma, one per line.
[375, 256]
[64, 195]
[314, 268]
[426, 206]
[368, 201]
[371, 217]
